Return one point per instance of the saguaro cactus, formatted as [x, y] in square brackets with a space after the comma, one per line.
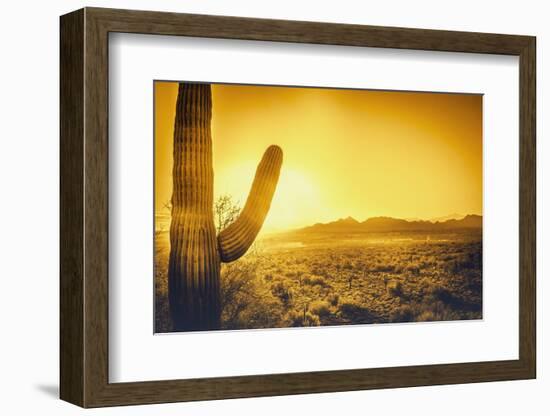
[195, 250]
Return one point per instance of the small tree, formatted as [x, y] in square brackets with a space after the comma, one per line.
[246, 302]
[226, 211]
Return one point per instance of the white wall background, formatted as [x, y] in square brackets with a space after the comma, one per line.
[29, 159]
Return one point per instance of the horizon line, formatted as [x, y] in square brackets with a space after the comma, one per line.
[433, 220]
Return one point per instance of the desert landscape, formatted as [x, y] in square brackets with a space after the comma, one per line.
[280, 206]
[381, 270]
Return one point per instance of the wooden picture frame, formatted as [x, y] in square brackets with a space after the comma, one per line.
[84, 207]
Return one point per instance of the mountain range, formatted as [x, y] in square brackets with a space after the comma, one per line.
[388, 224]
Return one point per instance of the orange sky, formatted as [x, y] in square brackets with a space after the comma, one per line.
[346, 152]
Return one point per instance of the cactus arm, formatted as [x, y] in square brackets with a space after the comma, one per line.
[234, 241]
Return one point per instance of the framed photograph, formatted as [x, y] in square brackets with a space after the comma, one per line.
[255, 207]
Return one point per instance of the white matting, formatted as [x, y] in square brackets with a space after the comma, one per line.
[135, 354]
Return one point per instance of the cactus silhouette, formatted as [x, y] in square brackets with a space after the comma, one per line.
[195, 250]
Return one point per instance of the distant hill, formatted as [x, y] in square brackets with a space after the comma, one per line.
[388, 224]
[454, 216]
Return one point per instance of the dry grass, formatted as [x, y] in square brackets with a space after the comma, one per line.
[306, 281]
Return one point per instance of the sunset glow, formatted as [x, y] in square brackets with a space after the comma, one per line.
[346, 152]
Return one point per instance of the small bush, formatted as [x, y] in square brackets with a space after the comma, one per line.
[403, 313]
[438, 293]
[424, 312]
[282, 291]
[441, 293]
[311, 320]
[426, 316]
[437, 311]
[350, 309]
[298, 319]
[395, 288]
[320, 308]
[413, 269]
[295, 318]
[333, 299]
[384, 268]
[314, 280]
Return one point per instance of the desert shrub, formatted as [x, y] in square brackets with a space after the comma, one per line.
[403, 313]
[426, 264]
[314, 280]
[395, 288]
[451, 300]
[433, 310]
[426, 316]
[355, 312]
[398, 269]
[318, 270]
[333, 299]
[441, 293]
[237, 290]
[299, 318]
[464, 262]
[283, 291]
[266, 312]
[320, 308]
[295, 318]
[414, 269]
[383, 268]
[311, 320]
[246, 302]
[436, 311]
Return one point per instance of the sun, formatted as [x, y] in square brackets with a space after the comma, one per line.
[296, 201]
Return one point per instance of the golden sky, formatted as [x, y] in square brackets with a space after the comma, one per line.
[356, 153]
